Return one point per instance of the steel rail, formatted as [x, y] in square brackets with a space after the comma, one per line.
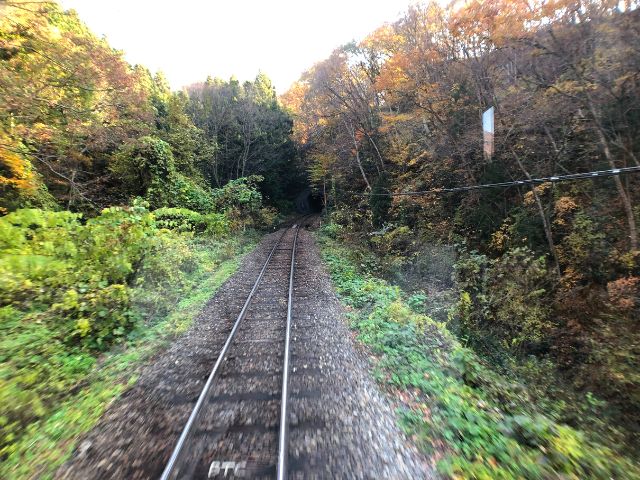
[281, 469]
[168, 470]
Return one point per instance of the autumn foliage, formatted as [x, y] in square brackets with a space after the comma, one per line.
[548, 273]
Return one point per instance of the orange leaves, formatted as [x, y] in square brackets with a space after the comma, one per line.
[394, 74]
[384, 40]
[484, 24]
[295, 100]
[294, 97]
[563, 208]
[624, 293]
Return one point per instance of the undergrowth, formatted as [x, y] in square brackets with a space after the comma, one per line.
[83, 305]
[476, 422]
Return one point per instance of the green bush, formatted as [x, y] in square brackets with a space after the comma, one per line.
[70, 290]
[241, 201]
[183, 220]
[481, 424]
[64, 293]
[147, 168]
[240, 194]
[179, 191]
[331, 230]
[142, 162]
[504, 304]
[36, 365]
[74, 276]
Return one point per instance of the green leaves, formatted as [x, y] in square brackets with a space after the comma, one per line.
[481, 424]
[71, 276]
[70, 290]
[503, 301]
[250, 132]
[183, 220]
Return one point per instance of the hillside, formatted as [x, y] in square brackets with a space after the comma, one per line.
[469, 176]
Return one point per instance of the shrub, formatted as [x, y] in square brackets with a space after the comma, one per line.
[179, 191]
[69, 290]
[147, 168]
[482, 424]
[504, 302]
[64, 294]
[241, 193]
[73, 276]
[142, 162]
[35, 366]
[392, 240]
[331, 230]
[267, 217]
[241, 202]
[184, 220]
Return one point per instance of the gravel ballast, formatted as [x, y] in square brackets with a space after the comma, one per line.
[341, 424]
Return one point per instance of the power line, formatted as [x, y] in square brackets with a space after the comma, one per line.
[532, 181]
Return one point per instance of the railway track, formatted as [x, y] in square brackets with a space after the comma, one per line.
[239, 425]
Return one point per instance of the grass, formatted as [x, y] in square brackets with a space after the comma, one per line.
[475, 422]
[49, 441]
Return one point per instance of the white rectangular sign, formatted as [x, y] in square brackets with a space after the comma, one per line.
[487, 132]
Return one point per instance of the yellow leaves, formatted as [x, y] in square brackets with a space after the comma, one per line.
[70, 299]
[398, 312]
[627, 260]
[397, 117]
[563, 207]
[499, 239]
[83, 326]
[295, 100]
[383, 39]
[54, 32]
[570, 87]
[41, 132]
[15, 170]
[320, 167]
[294, 97]
[393, 74]
[417, 159]
[540, 190]
[571, 278]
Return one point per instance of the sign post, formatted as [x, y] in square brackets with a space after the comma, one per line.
[487, 133]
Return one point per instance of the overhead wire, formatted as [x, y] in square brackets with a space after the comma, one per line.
[530, 181]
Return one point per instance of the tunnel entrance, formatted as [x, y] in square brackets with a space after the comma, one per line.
[309, 202]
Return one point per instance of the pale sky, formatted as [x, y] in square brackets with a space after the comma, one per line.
[190, 39]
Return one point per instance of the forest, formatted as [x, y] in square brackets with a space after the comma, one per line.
[118, 199]
[124, 205]
[540, 281]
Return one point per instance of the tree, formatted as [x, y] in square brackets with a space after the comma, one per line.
[249, 128]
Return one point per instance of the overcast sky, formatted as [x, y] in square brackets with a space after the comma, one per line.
[190, 39]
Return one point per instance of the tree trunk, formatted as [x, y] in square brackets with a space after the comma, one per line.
[545, 221]
[377, 151]
[324, 193]
[355, 144]
[245, 156]
[624, 196]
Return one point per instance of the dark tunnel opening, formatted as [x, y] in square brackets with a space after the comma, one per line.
[309, 202]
